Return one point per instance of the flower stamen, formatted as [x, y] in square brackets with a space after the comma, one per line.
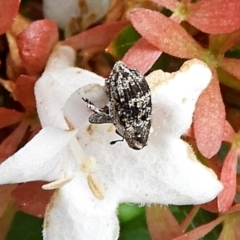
[89, 166]
[64, 179]
[95, 187]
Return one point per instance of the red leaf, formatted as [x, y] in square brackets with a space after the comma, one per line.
[190, 132]
[8, 10]
[161, 223]
[209, 119]
[24, 92]
[228, 178]
[214, 163]
[11, 143]
[211, 206]
[201, 231]
[228, 134]
[169, 4]
[35, 128]
[231, 65]
[235, 208]
[233, 117]
[215, 16]
[144, 51]
[221, 43]
[9, 117]
[35, 43]
[99, 36]
[165, 34]
[31, 198]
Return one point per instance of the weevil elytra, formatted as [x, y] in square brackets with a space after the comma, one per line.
[129, 107]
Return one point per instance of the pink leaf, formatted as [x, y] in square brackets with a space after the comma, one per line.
[189, 218]
[161, 223]
[35, 43]
[165, 34]
[144, 51]
[209, 119]
[201, 231]
[228, 178]
[99, 36]
[8, 10]
[215, 16]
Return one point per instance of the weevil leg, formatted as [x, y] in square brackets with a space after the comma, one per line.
[100, 115]
[120, 140]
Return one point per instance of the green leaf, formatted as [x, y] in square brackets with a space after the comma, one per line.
[25, 227]
[127, 212]
[136, 229]
[125, 40]
[234, 53]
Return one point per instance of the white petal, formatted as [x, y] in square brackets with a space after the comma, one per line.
[61, 57]
[75, 213]
[39, 159]
[62, 11]
[174, 96]
[163, 172]
[57, 84]
[168, 174]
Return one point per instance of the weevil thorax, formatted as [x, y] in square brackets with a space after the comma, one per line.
[130, 105]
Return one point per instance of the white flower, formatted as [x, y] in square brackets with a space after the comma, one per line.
[92, 176]
[75, 14]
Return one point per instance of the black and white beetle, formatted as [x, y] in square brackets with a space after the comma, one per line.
[129, 107]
